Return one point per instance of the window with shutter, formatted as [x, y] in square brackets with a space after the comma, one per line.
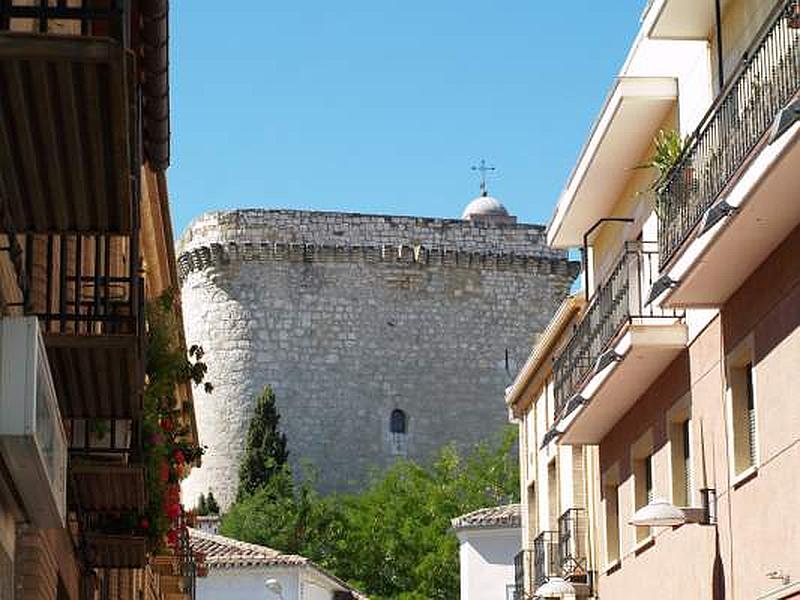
[741, 393]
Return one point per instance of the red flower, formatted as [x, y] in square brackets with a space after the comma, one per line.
[172, 537]
[164, 472]
[173, 494]
[144, 524]
[167, 424]
[174, 511]
[178, 456]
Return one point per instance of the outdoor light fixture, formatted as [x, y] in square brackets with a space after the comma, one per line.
[662, 513]
[274, 586]
[555, 587]
[659, 513]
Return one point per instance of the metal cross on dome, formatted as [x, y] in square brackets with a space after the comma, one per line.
[483, 169]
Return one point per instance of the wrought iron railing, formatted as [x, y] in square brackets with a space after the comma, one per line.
[767, 79]
[545, 557]
[109, 19]
[83, 284]
[187, 566]
[621, 299]
[573, 544]
[523, 562]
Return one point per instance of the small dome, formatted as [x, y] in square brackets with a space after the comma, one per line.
[484, 206]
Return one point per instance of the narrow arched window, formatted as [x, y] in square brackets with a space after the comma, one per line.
[397, 422]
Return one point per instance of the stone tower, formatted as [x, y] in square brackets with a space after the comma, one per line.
[382, 336]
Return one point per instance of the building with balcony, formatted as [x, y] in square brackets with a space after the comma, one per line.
[674, 371]
[86, 243]
[557, 544]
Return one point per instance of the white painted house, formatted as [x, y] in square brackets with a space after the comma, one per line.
[489, 539]
[241, 571]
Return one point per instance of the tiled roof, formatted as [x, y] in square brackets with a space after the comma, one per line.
[489, 518]
[224, 552]
[221, 551]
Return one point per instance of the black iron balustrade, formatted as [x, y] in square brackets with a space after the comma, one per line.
[187, 566]
[766, 81]
[545, 557]
[110, 19]
[621, 299]
[523, 563]
[83, 285]
[572, 544]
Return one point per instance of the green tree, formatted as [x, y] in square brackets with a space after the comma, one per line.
[265, 452]
[212, 508]
[392, 540]
[202, 506]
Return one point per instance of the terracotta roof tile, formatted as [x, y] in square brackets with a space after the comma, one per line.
[224, 552]
[493, 517]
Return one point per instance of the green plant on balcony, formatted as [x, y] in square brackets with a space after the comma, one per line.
[668, 147]
[168, 450]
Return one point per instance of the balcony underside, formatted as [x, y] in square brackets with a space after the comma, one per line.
[631, 117]
[764, 210]
[104, 488]
[64, 134]
[96, 376]
[116, 551]
[684, 19]
[643, 351]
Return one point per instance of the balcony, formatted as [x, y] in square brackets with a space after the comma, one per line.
[70, 131]
[734, 185]
[89, 301]
[545, 558]
[617, 349]
[573, 544]
[523, 566]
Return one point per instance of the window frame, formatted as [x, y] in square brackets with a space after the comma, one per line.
[611, 486]
[741, 399]
[642, 462]
[678, 417]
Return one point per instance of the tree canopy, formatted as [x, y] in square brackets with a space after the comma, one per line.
[265, 452]
[392, 540]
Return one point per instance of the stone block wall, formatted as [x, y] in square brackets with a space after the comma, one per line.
[349, 317]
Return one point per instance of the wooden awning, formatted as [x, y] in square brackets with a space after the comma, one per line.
[96, 376]
[66, 139]
[106, 487]
[116, 551]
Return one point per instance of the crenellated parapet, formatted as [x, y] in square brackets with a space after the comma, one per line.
[215, 254]
[216, 239]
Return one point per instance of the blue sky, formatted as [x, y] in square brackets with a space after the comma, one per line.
[383, 106]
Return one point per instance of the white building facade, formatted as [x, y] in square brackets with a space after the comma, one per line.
[489, 539]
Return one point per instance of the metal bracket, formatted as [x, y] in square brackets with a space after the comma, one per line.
[784, 120]
[715, 214]
[661, 285]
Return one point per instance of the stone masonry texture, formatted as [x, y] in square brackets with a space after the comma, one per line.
[350, 316]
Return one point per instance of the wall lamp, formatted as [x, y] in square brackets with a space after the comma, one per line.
[555, 587]
[662, 513]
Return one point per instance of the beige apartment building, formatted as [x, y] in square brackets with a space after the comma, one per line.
[85, 244]
[673, 377]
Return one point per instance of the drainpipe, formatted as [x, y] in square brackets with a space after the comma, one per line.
[718, 19]
[585, 250]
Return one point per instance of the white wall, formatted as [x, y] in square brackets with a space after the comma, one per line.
[487, 562]
[246, 584]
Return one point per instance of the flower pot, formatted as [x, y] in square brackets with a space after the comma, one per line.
[794, 15]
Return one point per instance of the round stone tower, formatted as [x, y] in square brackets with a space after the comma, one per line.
[382, 336]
